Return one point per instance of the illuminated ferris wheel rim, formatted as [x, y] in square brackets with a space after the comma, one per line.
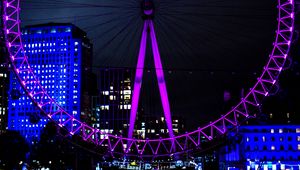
[244, 109]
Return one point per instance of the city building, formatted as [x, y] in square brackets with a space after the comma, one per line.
[271, 141]
[267, 147]
[61, 56]
[4, 81]
[155, 126]
[111, 106]
[276, 146]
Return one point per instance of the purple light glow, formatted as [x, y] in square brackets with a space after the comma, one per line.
[159, 76]
[138, 80]
[161, 80]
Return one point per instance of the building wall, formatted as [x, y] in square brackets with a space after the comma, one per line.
[55, 53]
[269, 147]
[111, 106]
[271, 143]
[4, 80]
[155, 126]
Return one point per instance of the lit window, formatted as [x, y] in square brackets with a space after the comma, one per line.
[53, 30]
[111, 97]
[263, 138]
[127, 91]
[280, 130]
[68, 29]
[272, 130]
[271, 115]
[298, 138]
[298, 130]
[272, 148]
[298, 147]
[127, 97]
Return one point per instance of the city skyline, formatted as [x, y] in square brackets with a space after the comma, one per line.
[272, 103]
[199, 68]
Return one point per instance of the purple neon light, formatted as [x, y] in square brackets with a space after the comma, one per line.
[138, 80]
[247, 107]
[148, 24]
[161, 80]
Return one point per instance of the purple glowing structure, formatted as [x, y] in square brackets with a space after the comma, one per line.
[246, 108]
[149, 28]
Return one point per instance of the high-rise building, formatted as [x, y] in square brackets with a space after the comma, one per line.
[4, 80]
[60, 55]
[111, 106]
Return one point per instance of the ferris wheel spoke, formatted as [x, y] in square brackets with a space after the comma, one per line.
[76, 17]
[127, 37]
[66, 4]
[105, 23]
[182, 46]
[124, 31]
[115, 27]
[210, 29]
[190, 34]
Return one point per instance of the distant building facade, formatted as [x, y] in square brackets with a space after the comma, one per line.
[4, 83]
[111, 106]
[155, 126]
[271, 147]
[61, 56]
[265, 146]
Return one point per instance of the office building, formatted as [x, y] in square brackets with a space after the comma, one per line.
[60, 55]
[111, 106]
[4, 84]
[155, 126]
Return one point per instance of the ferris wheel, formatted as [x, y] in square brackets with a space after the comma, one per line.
[247, 107]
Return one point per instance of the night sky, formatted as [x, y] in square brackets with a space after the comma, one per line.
[207, 46]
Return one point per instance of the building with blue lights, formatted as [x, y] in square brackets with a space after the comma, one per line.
[271, 146]
[61, 56]
[267, 147]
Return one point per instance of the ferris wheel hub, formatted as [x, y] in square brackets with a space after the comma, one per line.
[147, 9]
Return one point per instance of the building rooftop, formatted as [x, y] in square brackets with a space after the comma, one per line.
[75, 29]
